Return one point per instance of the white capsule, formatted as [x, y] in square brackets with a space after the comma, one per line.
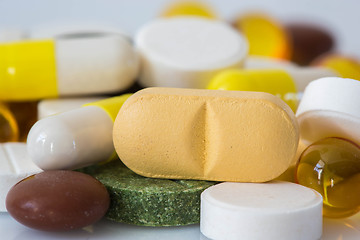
[71, 139]
[15, 165]
[187, 52]
[258, 211]
[75, 138]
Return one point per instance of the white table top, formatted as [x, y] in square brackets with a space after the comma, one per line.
[334, 229]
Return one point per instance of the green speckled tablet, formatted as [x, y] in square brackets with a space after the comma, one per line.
[149, 201]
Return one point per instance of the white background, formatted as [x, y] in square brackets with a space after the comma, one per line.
[341, 16]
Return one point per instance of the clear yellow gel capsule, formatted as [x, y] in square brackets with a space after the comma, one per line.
[332, 167]
[189, 8]
[9, 131]
[346, 67]
[266, 37]
[276, 82]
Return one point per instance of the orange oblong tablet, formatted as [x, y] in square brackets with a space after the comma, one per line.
[206, 134]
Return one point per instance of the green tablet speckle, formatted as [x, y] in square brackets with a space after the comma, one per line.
[149, 201]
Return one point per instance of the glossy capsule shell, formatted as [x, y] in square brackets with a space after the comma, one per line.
[284, 82]
[58, 200]
[331, 166]
[75, 138]
[276, 82]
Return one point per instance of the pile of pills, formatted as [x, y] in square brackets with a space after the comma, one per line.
[243, 103]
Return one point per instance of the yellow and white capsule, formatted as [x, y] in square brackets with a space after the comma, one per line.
[75, 138]
[67, 66]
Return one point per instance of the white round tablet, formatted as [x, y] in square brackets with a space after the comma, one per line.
[330, 107]
[187, 51]
[257, 211]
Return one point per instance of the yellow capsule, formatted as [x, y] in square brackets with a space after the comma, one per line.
[332, 167]
[276, 82]
[265, 35]
[9, 131]
[346, 67]
[189, 8]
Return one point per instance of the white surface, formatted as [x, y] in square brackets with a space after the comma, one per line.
[333, 229]
[11, 34]
[285, 211]
[330, 108]
[187, 52]
[71, 139]
[339, 16]
[15, 165]
[94, 64]
[48, 107]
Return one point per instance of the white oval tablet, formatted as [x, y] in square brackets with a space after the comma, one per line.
[187, 51]
[258, 211]
[330, 107]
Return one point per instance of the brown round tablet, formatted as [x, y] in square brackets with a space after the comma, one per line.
[58, 200]
[309, 42]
